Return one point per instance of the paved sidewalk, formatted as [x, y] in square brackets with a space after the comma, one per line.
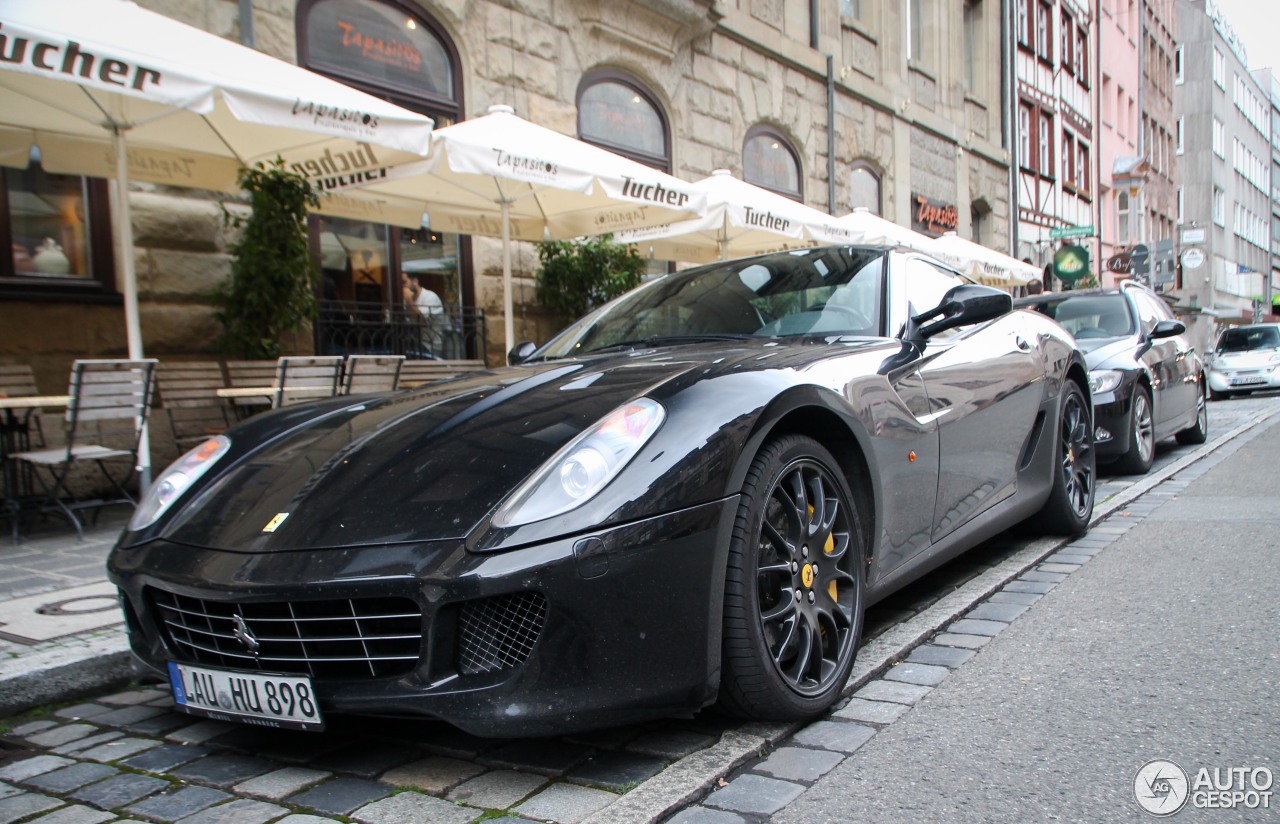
[61, 631]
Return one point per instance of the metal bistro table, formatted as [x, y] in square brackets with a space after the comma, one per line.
[15, 437]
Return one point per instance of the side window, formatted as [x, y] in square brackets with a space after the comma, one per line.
[927, 284]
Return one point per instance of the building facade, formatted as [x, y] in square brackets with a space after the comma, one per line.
[836, 103]
[1054, 49]
[1223, 143]
[1123, 167]
[1158, 196]
[1270, 307]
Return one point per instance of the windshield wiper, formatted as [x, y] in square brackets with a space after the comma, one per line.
[664, 340]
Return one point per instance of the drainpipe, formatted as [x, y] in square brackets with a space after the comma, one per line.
[246, 23]
[831, 135]
[813, 24]
[1008, 104]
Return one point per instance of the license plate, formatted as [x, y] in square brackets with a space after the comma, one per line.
[278, 701]
[1247, 381]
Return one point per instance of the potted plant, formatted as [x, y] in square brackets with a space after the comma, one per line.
[272, 288]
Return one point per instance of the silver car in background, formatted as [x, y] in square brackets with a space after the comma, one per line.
[1246, 359]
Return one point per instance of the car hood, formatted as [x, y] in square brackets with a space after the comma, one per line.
[1098, 351]
[1253, 359]
[431, 463]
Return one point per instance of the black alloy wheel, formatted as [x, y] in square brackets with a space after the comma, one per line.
[793, 589]
[1142, 435]
[1070, 504]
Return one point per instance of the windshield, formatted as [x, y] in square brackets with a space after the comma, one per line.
[1249, 338]
[1091, 316]
[828, 291]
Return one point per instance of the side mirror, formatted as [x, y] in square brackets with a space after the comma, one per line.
[1167, 329]
[961, 306]
[521, 352]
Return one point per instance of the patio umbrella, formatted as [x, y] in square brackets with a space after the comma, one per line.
[105, 88]
[868, 227]
[741, 219]
[500, 175]
[983, 264]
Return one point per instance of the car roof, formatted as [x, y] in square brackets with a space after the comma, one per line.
[1050, 297]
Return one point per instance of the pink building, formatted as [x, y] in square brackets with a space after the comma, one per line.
[1120, 140]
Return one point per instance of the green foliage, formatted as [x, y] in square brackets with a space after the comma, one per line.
[272, 288]
[579, 275]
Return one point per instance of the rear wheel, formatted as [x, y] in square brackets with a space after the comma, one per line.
[1199, 431]
[793, 588]
[1142, 435]
[1070, 504]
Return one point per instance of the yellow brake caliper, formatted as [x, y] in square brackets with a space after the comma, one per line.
[828, 548]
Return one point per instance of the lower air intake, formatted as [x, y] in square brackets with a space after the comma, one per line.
[498, 633]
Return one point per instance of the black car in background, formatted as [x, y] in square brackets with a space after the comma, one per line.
[1147, 379]
[688, 496]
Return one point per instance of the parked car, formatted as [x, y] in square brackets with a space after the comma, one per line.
[1246, 359]
[1147, 379]
[688, 496]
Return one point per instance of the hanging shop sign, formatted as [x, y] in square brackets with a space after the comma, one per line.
[1070, 264]
[933, 217]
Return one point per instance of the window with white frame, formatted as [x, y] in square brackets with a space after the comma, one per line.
[1219, 139]
[1219, 207]
[1178, 137]
[1178, 77]
[1024, 22]
[1046, 144]
[1082, 168]
[1044, 31]
[1219, 69]
[1180, 204]
[1124, 215]
[1024, 135]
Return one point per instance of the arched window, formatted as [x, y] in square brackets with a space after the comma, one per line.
[864, 187]
[616, 113]
[385, 48]
[391, 50]
[769, 161]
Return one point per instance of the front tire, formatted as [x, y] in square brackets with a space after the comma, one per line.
[1142, 435]
[1070, 504]
[793, 586]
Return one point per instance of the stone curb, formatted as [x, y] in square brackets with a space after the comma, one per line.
[65, 673]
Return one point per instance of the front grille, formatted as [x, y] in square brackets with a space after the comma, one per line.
[338, 639]
[499, 633]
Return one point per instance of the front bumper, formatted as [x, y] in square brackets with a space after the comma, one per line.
[1226, 381]
[629, 627]
[1111, 430]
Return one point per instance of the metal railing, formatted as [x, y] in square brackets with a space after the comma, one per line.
[355, 328]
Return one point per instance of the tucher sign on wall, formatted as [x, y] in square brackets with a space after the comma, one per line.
[933, 217]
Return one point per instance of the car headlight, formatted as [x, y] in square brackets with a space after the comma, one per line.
[585, 465]
[1104, 380]
[176, 480]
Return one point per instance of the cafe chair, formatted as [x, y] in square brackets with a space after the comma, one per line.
[20, 429]
[300, 379]
[371, 373]
[105, 417]
[246, 374]
[188, 393]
